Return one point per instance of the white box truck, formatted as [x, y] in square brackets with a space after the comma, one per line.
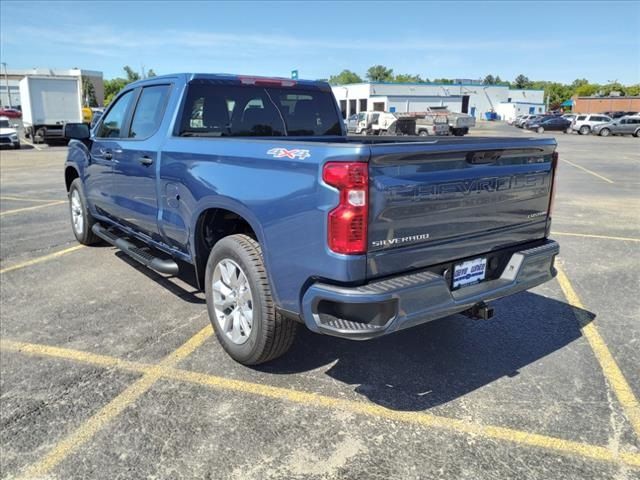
[47, 104]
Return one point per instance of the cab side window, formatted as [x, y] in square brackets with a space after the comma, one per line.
[149, 111]
[113, 122]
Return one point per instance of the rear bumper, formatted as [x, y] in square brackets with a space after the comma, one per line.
[385, 306]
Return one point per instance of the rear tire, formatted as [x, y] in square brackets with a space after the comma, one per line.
[423, 133]
[39, 136]
[636, 133]
[540, 130]
[262, 333]
[81, 219]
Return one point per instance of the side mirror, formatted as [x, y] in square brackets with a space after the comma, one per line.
[77, 131]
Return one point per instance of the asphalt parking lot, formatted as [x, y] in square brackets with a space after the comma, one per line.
[109, 370]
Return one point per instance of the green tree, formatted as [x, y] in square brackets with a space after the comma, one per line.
[345, 77]
[88, 93]
[579, 82]
[489, 80]
[407, 78]
[499, 81]
[586, 89]
[613, 87]
[557, 93]
[132, 75]
[380, 73]
[522, 82]
[633, 90]
[112, 87]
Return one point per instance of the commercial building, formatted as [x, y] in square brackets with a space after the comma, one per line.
[508, 111]
[472, 98]
[11, 78]
[605, 104]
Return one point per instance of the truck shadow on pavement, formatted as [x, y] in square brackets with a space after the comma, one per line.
[182, 285]
[435, 363]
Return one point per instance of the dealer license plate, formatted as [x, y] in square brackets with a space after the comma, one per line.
[469, 272]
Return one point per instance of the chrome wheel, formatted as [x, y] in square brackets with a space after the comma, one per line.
[77, 217]
[232, 301]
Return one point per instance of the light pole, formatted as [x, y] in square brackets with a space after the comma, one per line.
[6, 80]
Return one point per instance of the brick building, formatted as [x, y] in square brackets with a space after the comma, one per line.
[605, 104]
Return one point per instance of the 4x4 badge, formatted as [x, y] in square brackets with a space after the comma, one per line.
[280, 152]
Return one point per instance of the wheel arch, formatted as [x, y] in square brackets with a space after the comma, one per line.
[216, 220]
[70, 174]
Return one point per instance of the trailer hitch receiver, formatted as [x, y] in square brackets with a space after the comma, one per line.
[480, 311]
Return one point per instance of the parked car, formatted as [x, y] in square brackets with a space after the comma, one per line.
[583, 123]
[352, 237]
[629, 125]
[550, 123]
[521, 121]
[535, 120]
[618, 114]
[8, 134]
[10, 113]
[514, 120]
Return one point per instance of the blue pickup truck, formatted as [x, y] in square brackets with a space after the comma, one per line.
[285, 220]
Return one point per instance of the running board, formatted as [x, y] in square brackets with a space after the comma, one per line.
[168, 267]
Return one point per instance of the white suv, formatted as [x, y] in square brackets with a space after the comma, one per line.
[8, 133]
[583, 123]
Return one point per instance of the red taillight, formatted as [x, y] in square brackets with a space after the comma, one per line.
[347, 223]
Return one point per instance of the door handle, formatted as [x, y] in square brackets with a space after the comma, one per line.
[146, 161]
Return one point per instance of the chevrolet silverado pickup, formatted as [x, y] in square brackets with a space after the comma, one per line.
[252, 184]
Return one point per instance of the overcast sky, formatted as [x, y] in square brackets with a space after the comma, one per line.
[558, 41]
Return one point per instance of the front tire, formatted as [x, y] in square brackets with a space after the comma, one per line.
[423, 133]
[605, 132]
[584, 130]
[240, 303]
[540, 130]
[81, 219]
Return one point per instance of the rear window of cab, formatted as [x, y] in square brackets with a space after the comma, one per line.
[223, 110]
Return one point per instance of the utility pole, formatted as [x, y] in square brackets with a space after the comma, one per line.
[6, 80]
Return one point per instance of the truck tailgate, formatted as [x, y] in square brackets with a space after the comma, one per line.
[435, 202]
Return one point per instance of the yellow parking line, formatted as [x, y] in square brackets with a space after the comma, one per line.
[69, 354]
[27, 199]
[111, 410]
[312, 399]
[587, 170]
[610, 368]
[604, 237]
[18, 210]
[44, 258]
[24, 140]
